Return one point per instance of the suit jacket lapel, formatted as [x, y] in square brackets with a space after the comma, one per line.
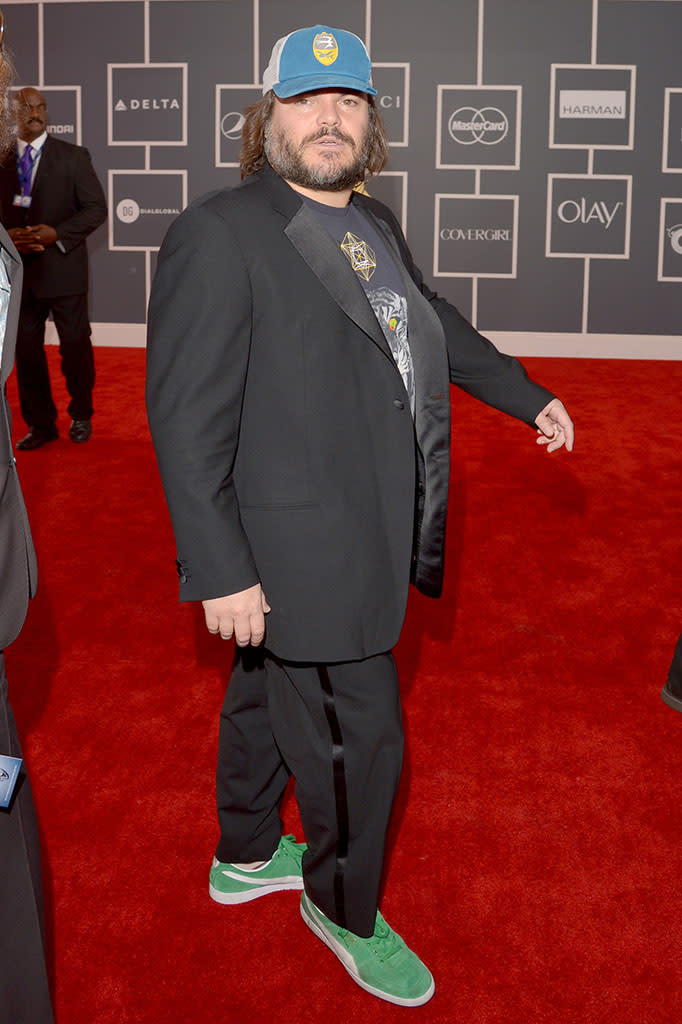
[322, 254]
[15, 270]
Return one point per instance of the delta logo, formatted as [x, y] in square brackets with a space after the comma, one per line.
[325, 48]
[157, 103]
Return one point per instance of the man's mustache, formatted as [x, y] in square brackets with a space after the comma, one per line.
[324, 133]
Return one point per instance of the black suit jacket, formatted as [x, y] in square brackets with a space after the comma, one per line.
[282, 427]
[18, 572]
[67, 195]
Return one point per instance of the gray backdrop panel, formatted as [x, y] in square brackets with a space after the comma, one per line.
[521, 40]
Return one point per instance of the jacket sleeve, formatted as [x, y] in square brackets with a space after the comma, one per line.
[476, 365]
[89, 202]
[197, 356]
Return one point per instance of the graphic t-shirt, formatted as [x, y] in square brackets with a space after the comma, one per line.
[375, 266]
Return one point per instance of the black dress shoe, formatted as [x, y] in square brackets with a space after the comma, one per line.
[671, 698]
[36, 438]
[80, 430]
[672, 691]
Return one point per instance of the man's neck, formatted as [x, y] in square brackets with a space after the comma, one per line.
[338, 199]
[35, 138]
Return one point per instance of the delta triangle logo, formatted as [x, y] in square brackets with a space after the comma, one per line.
[120, 106]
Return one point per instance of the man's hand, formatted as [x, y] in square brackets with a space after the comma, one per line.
[555, 427]
[241, 614]
[34, 238]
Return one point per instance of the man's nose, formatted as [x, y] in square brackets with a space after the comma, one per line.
[328, 112]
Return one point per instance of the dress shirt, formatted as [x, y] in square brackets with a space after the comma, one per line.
[37, 147]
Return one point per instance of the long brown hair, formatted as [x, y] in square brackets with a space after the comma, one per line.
[257, 117]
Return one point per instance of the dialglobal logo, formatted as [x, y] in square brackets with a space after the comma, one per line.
[129, 210]
[155, 103]
[585, 212]
[675, 236]
[476, 234]
[593, 104]
[467, 125]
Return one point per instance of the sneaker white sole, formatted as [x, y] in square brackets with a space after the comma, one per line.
[348, 962]
[264, 889]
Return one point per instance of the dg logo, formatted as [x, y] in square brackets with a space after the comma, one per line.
[675, 236]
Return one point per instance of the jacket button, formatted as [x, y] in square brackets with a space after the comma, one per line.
[398, 404]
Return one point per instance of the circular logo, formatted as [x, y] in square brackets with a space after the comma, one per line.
[487, 126]
[675, 236]
[128, 211]
[325, 48]
[232, 124]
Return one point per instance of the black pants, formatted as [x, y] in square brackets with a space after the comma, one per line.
[70, 313]
[24, 994]
[337, 729]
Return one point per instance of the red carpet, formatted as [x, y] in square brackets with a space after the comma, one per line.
[535, 863]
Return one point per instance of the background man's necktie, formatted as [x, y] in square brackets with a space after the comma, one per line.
[26, 164]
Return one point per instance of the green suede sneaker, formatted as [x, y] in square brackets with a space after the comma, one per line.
[229, 884]
[381, 964]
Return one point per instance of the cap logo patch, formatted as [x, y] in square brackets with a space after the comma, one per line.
[325, 48]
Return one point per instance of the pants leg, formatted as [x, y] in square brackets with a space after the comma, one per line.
[24, 993]
[33, 378]
[340, 733]
[70, 314]
[251, 776]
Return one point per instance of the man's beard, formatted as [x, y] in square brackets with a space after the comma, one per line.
[329, 176]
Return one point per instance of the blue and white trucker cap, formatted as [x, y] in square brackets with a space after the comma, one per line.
[318, 58]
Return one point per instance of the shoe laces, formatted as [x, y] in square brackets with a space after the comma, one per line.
[384, 943]
[289, 845]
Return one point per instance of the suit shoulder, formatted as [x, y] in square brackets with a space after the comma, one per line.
[379, 209]
[65, 148]
[215, 209]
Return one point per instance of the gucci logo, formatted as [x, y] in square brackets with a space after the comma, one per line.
[489, 125]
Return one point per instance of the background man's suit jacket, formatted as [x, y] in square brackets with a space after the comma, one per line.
[18, 572]
[282, 427]
[67, 195]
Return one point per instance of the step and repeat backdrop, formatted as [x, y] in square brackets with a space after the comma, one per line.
[536, 146]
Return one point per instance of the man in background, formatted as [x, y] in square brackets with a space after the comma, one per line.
[24, 993]
[51, 201]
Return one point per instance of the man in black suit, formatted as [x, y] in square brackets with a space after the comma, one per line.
[24, 993]
[51, 201]
[298, 397]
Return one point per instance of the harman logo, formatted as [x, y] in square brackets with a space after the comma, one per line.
[61, 129]
[675, 236]
[128, 210]
[489, 125]
[476, 234]
[157, 103]
[231, 125]
[572, 210]
[593, 104]
[325, 48]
